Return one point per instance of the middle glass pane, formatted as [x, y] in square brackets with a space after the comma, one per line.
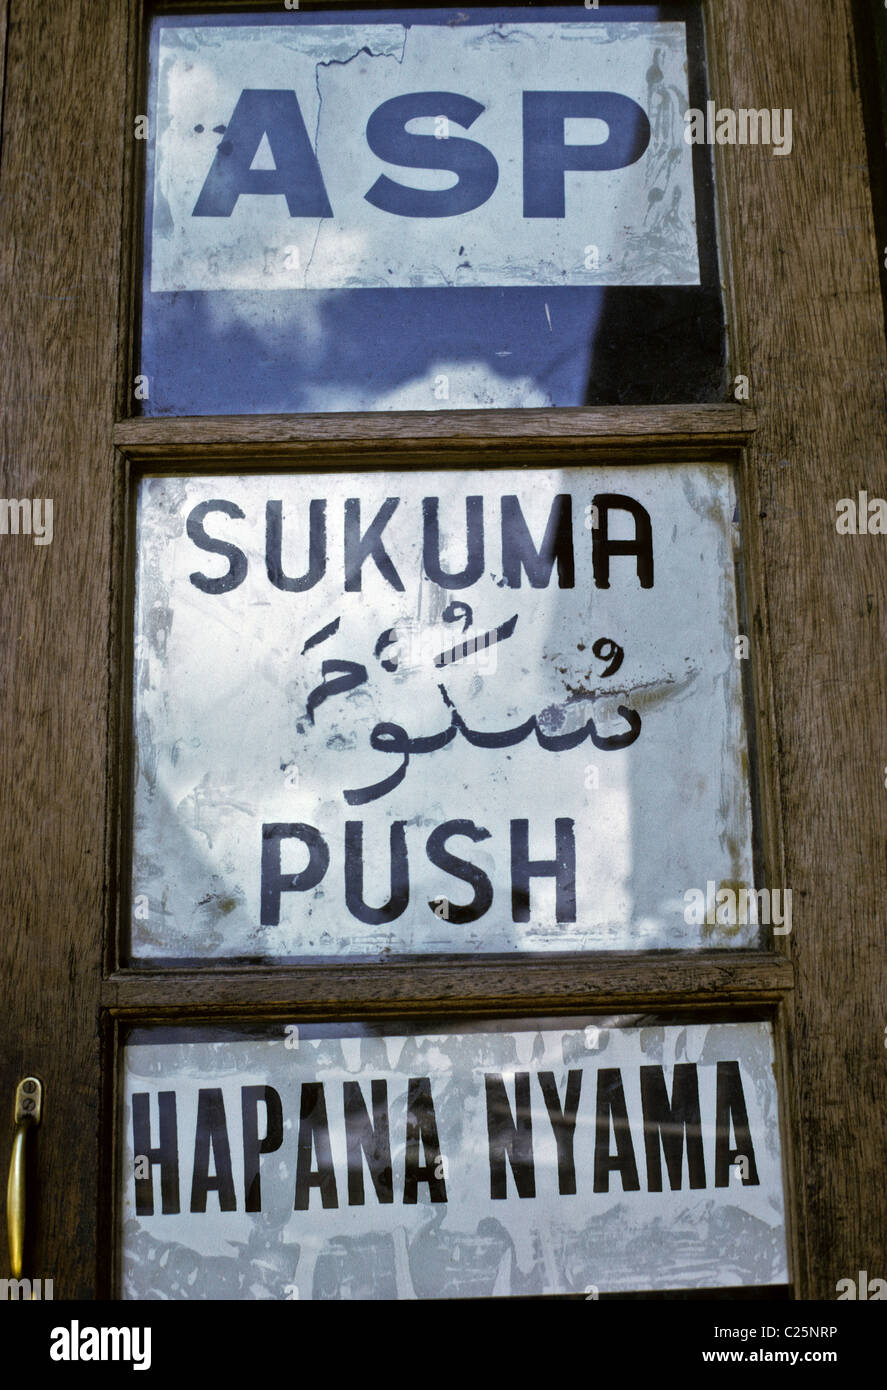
[390, 713]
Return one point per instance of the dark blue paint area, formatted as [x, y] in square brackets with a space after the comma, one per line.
[203, 354]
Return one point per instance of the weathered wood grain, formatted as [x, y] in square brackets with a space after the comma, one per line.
[60, 182]
[813, 334]
[622, 980]
[4, 21]
[459, 431]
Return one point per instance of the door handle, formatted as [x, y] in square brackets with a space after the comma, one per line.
[27, 1115]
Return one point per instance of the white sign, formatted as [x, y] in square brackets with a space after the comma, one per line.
[327, 156]
[468, 711]
[348, 1163]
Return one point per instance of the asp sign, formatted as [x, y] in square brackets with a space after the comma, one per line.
[328, 156]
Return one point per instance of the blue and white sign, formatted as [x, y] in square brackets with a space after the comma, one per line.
[368, 155]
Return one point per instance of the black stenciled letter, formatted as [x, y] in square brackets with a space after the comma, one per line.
[314, 1131]
[563, 1123]
[359, 548]
[519, 552]
[474, 529]
[422, 1126]
[510, 1135]
[389, 140]
[441, 858]
[297, 175]
[273, 881]
[165, 1152]
[668, 1122]
[611, 1102]
[562, 869]
[400, 877]
[730, 1107]
[253, 1146]
[212, 1138]
[602, 547]
[547, 155]
[316, 547]
[369, 1138]
[236, 558]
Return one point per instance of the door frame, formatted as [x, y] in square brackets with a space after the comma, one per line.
[805, 322]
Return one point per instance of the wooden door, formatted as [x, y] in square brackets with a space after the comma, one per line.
[801, 273]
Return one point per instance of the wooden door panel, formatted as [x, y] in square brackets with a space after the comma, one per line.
[60, 215]
[806, 327]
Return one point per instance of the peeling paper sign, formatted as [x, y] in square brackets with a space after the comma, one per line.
[373, 719]
[344, 1163]
[356, 155]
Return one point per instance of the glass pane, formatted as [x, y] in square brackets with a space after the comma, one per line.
[373, 720]
[427, 209]
[487, 1159]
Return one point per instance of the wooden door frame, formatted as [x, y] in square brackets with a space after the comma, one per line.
[811, 341]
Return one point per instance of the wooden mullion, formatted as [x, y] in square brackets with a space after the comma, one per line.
[734, 978]
[705, 428]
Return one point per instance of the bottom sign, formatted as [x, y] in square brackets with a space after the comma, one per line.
[364, 1161]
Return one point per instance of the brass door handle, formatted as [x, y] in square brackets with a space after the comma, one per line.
[27, 1115]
